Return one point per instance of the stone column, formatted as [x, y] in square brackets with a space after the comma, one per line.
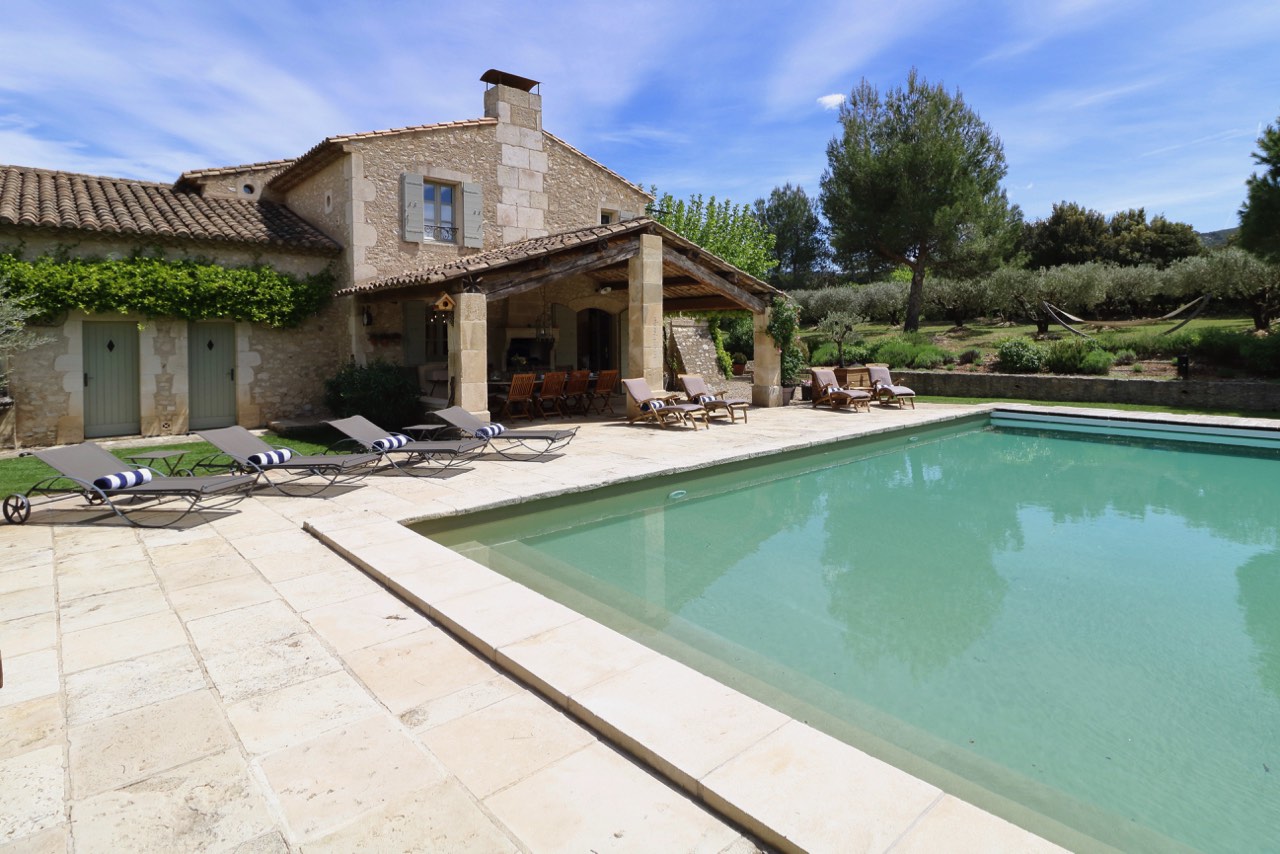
[644, 315]
[468, 354]
[766, 388]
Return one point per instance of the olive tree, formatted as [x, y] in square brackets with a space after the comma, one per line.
[1233, 275]
[914, 180]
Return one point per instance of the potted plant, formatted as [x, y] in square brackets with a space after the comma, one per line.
[739, 364]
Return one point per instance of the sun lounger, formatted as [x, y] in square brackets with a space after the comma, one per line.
[885, 389]
[103, 480]
[518, 444]
[242, 451]
[827, 392]
[398, 450]
[661, 409]
[696, 390]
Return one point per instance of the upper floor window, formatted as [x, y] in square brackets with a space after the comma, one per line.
[608, 217]
[438, 221]
[436, 211]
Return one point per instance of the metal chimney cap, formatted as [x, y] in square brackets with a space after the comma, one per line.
[503, 78]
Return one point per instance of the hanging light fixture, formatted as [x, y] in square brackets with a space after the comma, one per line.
[544, 325]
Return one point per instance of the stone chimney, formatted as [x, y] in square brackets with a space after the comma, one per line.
[511, 99]
[522, 167]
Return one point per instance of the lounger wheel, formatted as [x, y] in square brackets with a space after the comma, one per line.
[17, 509]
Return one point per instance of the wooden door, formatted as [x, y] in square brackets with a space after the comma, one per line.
[211, 372]
[111, 379]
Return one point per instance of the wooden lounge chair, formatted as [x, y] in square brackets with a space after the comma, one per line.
[244, 452]
[602, 397]
[886, 391]
[399, 451]
[519, 398]
[551, 394]
[92, 472]
[827, 392]
[518, 444]
[577, 392]
[696, 390]
[662, 409]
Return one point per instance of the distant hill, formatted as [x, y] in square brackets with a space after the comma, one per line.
[1216, 239]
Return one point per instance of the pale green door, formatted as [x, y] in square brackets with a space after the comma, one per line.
[211, 367]
[111, 379]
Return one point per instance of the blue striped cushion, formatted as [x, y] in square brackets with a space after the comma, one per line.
[123, 480]
[271, 458]
[704, 399]
[490, 431]
[652, 406]
[390, 443]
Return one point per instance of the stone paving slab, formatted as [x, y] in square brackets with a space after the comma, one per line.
[238, 684]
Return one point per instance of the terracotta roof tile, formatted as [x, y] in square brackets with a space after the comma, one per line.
[41, 198]
[215, 171]
[513, 253]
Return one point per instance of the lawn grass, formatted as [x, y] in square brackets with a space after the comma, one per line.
[19, 474]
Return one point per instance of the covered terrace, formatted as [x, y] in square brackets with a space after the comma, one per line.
[590, 298]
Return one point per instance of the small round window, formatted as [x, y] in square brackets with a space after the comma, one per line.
[248, 189]
[328, 202]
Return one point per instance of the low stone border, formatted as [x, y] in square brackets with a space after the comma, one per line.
[1196, 393]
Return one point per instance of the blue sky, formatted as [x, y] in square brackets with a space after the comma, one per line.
[1108, 103]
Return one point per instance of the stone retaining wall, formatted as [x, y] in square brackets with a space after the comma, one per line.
[1206, 393]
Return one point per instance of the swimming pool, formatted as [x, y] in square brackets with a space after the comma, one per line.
[1084, 628]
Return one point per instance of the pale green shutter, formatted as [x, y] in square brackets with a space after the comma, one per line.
[472, 217]
[411, 206]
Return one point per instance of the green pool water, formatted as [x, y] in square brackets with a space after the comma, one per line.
[1079, 634]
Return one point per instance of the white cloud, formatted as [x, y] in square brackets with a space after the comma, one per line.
[831, 102]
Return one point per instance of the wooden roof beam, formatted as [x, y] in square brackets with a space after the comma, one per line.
[712, 279]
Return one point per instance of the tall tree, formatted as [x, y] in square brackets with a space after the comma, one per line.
[1132, 241]
[1071, 234]
[800, 246]
[914, 180]
[1260, 214]
[729, 231]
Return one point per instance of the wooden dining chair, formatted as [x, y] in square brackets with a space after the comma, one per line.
[577, 393]
[551, 395]
[519, 402]
[602, 397]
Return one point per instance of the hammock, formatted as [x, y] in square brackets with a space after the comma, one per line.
[1065, 320]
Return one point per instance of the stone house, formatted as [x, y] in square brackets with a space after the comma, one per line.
[462, 248]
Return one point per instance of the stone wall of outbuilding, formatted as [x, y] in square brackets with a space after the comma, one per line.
[279, 373]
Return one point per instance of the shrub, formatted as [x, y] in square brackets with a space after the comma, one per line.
[1126, 357]
[972, 356]
[857, 354]
[895, 352]
[1137, 367]
[825, 354]
[380, 391]
[817, 304]
[1097, 362]
[1068, 355]
[929, 357]
[1262, 355]
[739, 333]
[1019, 356]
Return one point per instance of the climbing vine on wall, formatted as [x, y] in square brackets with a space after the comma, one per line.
[154, 287]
